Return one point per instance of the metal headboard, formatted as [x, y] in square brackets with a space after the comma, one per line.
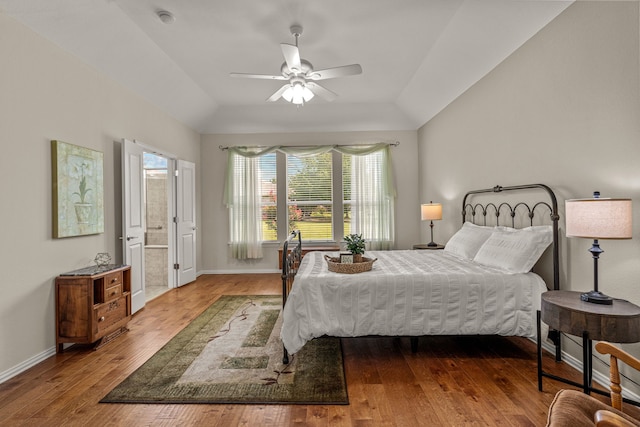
[479, 212]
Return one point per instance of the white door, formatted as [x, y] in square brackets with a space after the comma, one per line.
[186, 221]
[133, 219]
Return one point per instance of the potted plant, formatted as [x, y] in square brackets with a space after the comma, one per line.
[355, 245]
[83, 208]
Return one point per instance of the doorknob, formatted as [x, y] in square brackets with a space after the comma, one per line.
[131, 237]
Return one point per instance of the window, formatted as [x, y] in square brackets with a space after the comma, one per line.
[268, 196]
[325, 192]
[346, 194]
[310, 195]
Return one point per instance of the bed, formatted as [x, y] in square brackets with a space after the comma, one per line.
[481, 284]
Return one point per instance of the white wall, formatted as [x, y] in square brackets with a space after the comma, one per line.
[563, 110]
[215, 226]
[48, 94]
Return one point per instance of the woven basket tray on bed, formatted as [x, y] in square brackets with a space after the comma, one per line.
[336, 266]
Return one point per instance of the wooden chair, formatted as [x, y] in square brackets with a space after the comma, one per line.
[574, 408]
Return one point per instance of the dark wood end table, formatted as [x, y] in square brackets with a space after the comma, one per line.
[564, 311]
[426, 246]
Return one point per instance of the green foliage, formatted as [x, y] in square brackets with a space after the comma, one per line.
[321, 212]
[269, 215]
[355, 243]
[309, 180]
[82, 187]
[303, 186]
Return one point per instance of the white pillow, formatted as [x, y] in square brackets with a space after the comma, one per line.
[466, 242]
[514, 251]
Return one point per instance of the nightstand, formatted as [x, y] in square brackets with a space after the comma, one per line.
[564, 311]
[426, 246]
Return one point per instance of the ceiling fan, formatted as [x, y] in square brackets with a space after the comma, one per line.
[301, 76]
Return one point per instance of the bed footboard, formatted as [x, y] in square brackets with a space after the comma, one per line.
[291, 257]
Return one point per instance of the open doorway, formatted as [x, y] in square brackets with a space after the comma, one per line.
[156, 234]
[166, 228]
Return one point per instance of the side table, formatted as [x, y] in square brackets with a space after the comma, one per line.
[564, 311]
[426, 246]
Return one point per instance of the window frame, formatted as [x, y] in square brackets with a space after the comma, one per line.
[385, 193]
[336, 205]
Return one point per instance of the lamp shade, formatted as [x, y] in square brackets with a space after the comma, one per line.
[599, 218]
[431, 211]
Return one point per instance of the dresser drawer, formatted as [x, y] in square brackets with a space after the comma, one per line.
[110, 313]
[109, 288]
[113, 292]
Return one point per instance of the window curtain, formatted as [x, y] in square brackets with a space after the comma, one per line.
[242, 197]
[373, 195]
[376, 201]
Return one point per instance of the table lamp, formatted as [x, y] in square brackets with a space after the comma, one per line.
[598, 219]
[431, 212]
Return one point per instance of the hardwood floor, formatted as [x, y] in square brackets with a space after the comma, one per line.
[451, 381]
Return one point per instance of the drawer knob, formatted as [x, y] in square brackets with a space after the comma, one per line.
[101, 319]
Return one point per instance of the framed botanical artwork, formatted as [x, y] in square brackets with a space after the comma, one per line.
[77, 181]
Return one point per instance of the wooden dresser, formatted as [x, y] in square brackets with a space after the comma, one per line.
[93, 305]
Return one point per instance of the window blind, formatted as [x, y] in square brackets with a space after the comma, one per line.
[310, 195]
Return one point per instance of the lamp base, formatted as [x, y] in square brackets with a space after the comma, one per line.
[596, 297]
[432, 244]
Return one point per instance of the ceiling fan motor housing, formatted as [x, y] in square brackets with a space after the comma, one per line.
[304, 65]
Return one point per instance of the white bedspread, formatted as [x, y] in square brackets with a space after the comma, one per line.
[409, 293]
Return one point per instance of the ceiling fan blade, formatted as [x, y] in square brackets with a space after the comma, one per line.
[331, 73]
[278, 93]
[321, 91]
[257, 76]
[292, 57]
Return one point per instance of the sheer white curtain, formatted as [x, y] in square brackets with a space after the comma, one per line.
[242, 197]
[373, 196]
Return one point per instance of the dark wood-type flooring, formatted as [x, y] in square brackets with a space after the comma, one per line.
[451, 381]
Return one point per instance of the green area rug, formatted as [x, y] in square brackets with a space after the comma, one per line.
[232, 353]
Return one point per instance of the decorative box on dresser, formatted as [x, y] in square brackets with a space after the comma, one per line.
[93, 305]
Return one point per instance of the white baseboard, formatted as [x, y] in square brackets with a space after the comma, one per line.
[598, 377]
[29, 363]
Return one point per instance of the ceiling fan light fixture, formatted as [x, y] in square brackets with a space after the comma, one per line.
[297, 94]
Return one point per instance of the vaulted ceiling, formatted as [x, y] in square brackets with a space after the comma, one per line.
[417, 55]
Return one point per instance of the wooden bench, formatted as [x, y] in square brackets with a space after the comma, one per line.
[306, 249]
